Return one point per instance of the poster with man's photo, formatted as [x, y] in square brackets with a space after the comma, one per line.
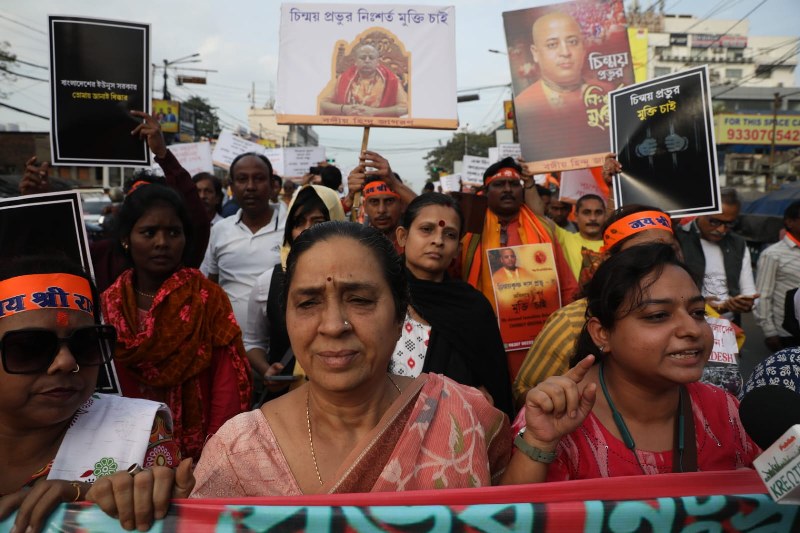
[564, 60]
[526, 291]
[367, 65]
[662, 131]
[99, 73]
[50, 225]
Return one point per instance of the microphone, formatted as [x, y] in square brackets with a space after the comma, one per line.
[770, 414]
[767, 412]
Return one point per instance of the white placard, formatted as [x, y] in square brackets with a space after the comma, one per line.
[725, 348]
[473, 169]
[451, 183]
[275, 156]
[509, 150]
[194, 157]
[577, 183]
[317, 65]
[229, 146]
[494, 153]
[297, 161]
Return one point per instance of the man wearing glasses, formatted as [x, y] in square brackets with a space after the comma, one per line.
[721, 257]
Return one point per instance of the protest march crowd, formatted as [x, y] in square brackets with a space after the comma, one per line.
[290, 341]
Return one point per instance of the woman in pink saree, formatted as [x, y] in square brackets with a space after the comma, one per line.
[353, 427]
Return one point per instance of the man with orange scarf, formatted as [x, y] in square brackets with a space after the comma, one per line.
[510, 221]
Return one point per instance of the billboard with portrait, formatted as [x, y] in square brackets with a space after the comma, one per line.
[564, 60]
[167, 113]
[367, 65]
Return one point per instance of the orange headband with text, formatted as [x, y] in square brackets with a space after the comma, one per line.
[633, 224]
[378, 188]
[503, 174]
[34, 292]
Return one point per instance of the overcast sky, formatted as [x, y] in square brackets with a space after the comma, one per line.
[239, 39]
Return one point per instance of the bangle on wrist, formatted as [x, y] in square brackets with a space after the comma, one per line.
[533, 184]
[78, 486]
[532, 452]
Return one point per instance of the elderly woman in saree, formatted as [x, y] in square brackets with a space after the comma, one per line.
[353, 427]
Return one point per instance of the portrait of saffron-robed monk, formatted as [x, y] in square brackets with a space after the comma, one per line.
[370, 81]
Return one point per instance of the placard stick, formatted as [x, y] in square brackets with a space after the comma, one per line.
[357, 196]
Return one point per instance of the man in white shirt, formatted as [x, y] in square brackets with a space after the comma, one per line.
[245, 245]
[778, 272]
[720, 259]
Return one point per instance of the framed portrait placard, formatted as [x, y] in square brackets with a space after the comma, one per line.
[367, 65]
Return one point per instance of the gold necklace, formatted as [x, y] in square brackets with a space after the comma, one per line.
[142, 293]
[308, 424]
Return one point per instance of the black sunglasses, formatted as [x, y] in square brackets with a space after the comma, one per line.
[715, 222]
[32, 351]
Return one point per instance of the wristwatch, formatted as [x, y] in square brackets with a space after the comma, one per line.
[534, 453]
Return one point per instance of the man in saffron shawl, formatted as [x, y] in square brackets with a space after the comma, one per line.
[510, 221]
[367, 88]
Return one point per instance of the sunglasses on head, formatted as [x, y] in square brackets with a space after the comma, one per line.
[715, 222]
[32, 351]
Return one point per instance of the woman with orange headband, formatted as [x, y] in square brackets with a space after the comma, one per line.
[552, 349]
[632, 404]
[56, 435]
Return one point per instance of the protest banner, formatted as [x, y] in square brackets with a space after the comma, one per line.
[297, 161]
[662, 132]
[577, 183]
[561, 103]
[473, 168]
[167, 113]
[526, 291]
[92, 93]
[668, 502]
[494, 153]
[367, 65]
[757, 129]
[194, 157]
[51, 224]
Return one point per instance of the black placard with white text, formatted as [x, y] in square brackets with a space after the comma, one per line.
[99, 72]
[662, 131]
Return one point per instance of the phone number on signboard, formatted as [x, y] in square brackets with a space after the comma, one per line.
[762, 134]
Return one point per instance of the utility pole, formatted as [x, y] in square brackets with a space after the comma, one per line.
[168, 63]
[771, 179]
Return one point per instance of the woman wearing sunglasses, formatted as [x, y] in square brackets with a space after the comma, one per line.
[56, 436]
[178, 342]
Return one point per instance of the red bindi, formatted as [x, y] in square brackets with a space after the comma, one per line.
[62, 318]
[441, 223]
